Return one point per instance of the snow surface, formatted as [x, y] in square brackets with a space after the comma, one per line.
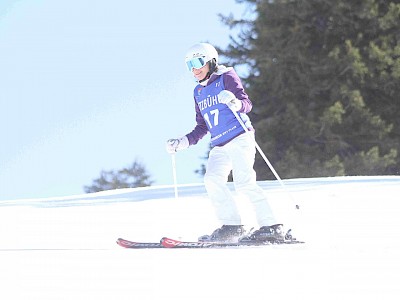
[64, 248]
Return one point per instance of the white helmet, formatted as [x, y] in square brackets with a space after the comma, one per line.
[199, 55]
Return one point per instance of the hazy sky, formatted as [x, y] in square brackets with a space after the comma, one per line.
[91, 85]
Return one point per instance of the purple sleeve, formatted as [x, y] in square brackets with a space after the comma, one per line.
[233, 83]
[200, 130]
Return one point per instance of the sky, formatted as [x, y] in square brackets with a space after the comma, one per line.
[65, 248]
[92, 85]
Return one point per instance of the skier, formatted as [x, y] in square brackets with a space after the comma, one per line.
[220, 92]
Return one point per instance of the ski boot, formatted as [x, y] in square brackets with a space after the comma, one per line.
[274, 234]
[225, 234]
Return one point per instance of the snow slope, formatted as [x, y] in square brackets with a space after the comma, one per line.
[64, 248]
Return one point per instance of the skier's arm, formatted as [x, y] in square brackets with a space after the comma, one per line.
[200, 130]
[174, 145]
[233, 83]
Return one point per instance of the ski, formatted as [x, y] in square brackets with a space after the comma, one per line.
[172, 243]
[138, 245]
[176, 244]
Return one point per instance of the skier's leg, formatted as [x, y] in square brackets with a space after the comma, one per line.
[217, 172]
[242, 152]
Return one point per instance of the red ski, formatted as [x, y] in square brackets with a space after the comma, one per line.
[138, 245]
[176, 244]
[171, 243]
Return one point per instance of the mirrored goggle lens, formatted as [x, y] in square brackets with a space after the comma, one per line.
[196, 63]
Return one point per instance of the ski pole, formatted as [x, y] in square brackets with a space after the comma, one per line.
[266, 160]
[174, 174]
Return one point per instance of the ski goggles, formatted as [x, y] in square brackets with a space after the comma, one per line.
[196, 62]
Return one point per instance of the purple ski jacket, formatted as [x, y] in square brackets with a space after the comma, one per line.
[231, 82]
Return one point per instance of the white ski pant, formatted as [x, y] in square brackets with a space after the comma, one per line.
[238, 155]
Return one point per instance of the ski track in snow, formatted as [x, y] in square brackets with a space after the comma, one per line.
[64, 248]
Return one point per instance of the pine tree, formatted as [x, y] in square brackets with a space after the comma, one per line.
[130, 177]
[324, 78]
